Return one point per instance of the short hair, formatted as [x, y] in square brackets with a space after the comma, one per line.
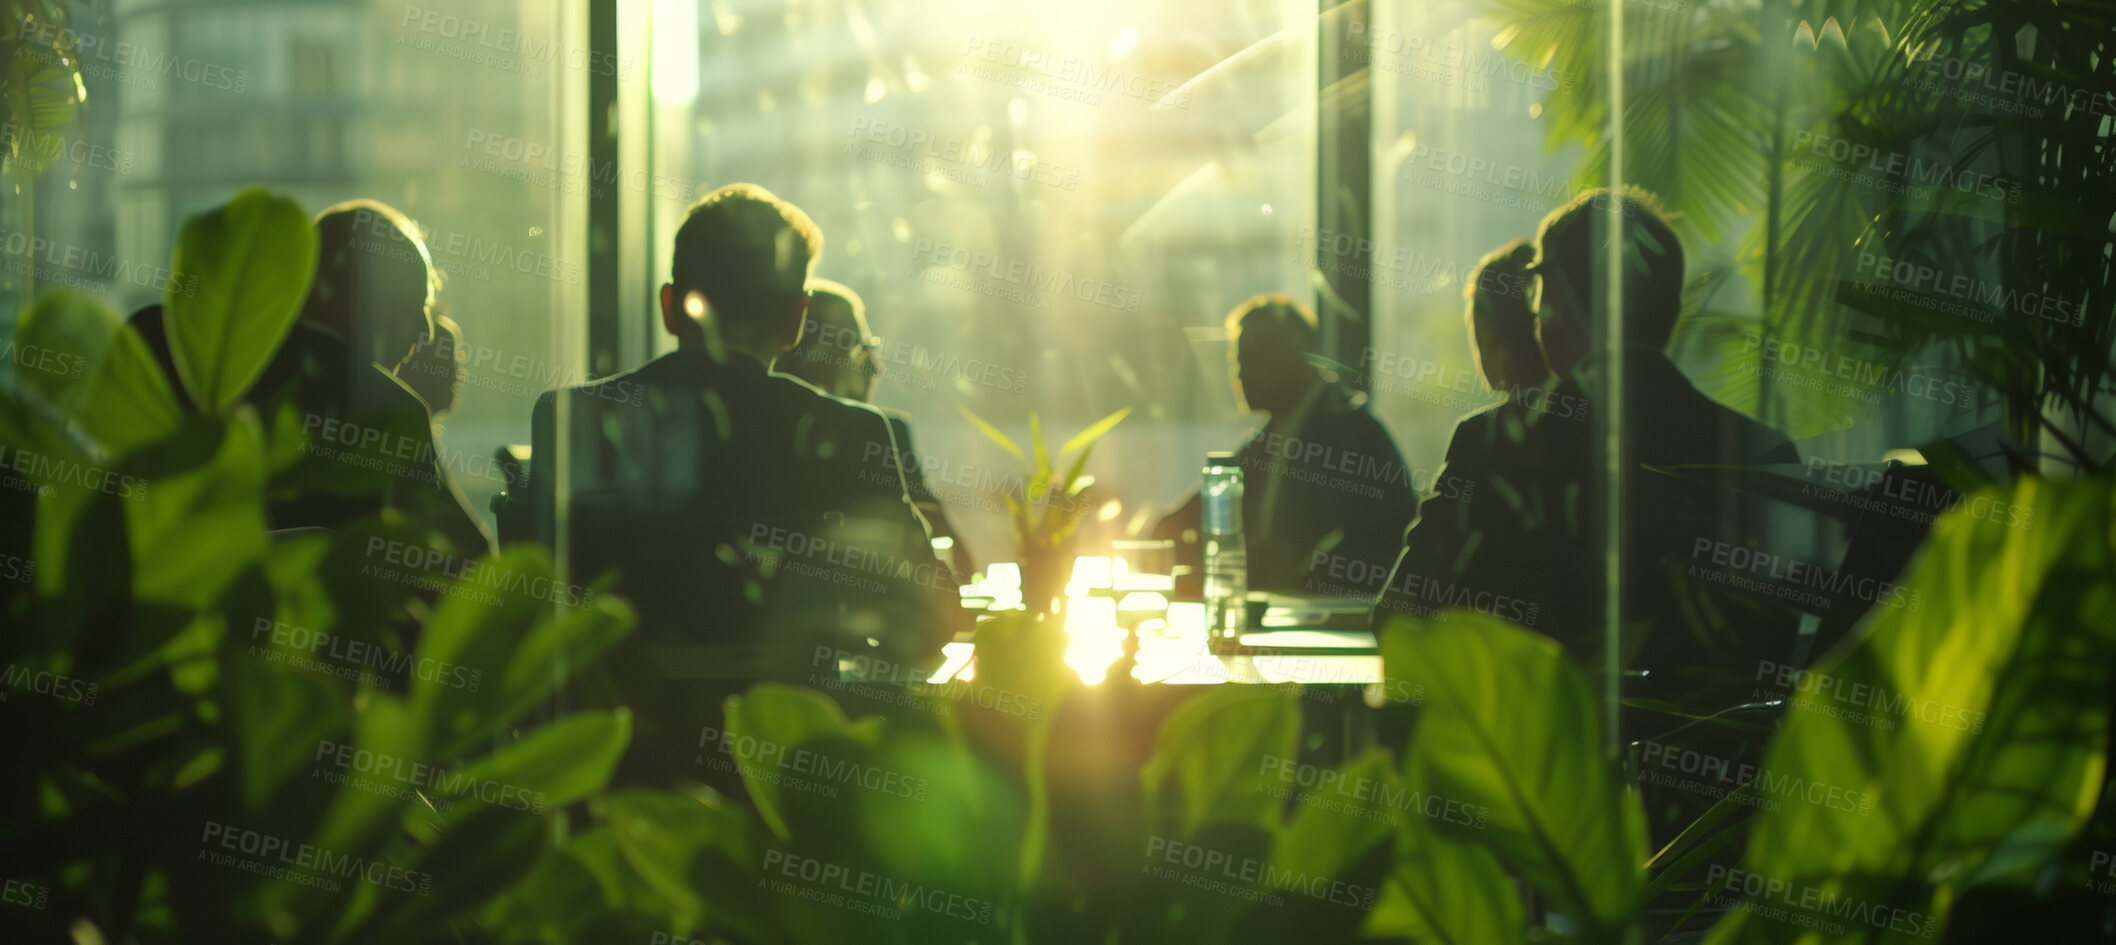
[1497, 292]
[833, 309]
[834, 303]
[1573, 237]
[368, 256]
[745, 250]
[1275, 311]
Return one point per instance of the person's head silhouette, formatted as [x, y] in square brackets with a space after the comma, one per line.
[1502, 325]
[739, 278]
[836, 352]
[1573, 249]
[1270, 337]
[435, 370]
[374, 283]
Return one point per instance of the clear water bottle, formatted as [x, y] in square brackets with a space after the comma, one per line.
[1226, 556]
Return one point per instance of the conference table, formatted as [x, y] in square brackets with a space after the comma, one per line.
[1312, 641]
[1321, 645]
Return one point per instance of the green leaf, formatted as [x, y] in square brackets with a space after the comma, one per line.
[1043, 455]
[1975, 714]
[42, 95]
[1094, 431]
[277, 716]
[474, 862]
[765, 726]
[241, 273]
[1447, 890]
[992, 433]
[1559, 814]
[195, 524]
[494, 646]
[1214, 752]
[1349, 810]
[1340, 829]
[554, 766]
[565, 891]
[946, 817]
[1699, 841]
[1073, 483]
[361, 821]
[96, 370]
[698, 853]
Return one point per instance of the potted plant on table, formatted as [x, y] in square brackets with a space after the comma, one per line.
[1047, 511]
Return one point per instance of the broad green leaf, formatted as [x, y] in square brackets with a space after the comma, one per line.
[1214, 755]
[474, 861]
[1977, 717]
[940, 815]
[699, 854]
[554, 766]
[557, 897]
[43, 95]
[499, 642]
[1339, 814]
[1559, 814]
[241, 273]
[583, 891]
[361, 821]
[196, 518]
[278, 715]
[189, 523]
[95, 369]
[1333, 856]
[80, 544]
[767, 726]
[28, 423]
[1447, 890]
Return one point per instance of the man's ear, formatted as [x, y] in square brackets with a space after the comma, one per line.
[672, 318]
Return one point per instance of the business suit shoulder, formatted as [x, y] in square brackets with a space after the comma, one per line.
[1759, 444]
[899, 425]
[842, 429]
[1488, 432]
[628, 386]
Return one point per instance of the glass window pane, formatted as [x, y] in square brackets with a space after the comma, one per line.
[1040, 215]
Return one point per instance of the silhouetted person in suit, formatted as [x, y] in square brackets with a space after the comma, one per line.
[1322, 483]
[371, 440]
[837, 356]
[1476, 503]
[740, 508]
[1502, 323]
[1546, 540]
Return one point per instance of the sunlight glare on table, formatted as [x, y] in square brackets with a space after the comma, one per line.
[1097, 640]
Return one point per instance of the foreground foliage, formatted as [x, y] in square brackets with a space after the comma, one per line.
[200, 756]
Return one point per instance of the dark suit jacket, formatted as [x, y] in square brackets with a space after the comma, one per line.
[371, 441]
[1527, 545]
[922, 496]
[1325, 493]
[744, 507]
[1484, 507]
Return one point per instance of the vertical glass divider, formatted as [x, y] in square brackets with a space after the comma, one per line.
[1613, 472]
